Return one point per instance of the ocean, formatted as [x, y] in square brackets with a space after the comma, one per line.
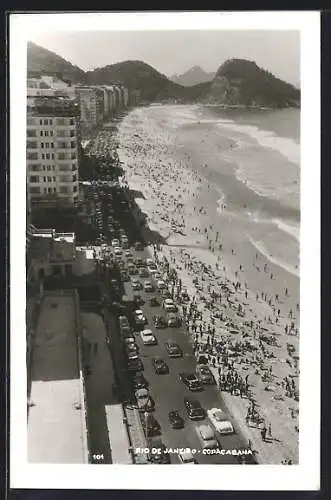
[250, 161]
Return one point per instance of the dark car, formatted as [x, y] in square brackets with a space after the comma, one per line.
[139, 382]
[194, 409]
[158, 453]
[205, 375]
[135, 365]
[191, 381]
[160, 322]
[173, 349]
[154, 302]
[138, 300]
[151, 425]
[175, 420]
[143, 272]
[138, 246]
[160, 366]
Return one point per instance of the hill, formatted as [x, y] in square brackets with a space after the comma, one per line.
[243, 82]
[193, 76]
[45, 61]
[136, 75]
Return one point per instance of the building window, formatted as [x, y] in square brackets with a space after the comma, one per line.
[60, 121]
[34, 178]
[42, 144]
[30, 121]
[44, 179]
[42, 156]
[41, 133]
[33, 190]
[54, 179]
[31, 144]
[73, 145]
[73, 156]
[72, 121]
[52, 144]
[46, 133]
[45, 190]
[51, 123]
[35, 167]
[32, 156]
[47, 145]
[49, 179]
[47, 156]
[49, 190]
[63, 189]
[75, 189]
[51, 132]
[48, 167]
[53, 156]
[45, 122]
[40, 122]
[31, 133]
[44, 168]
[54, 190]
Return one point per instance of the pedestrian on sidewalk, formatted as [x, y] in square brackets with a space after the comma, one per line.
[263, 433]
[269, 430]
[249, 444]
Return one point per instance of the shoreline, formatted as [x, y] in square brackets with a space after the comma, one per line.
[173, 206]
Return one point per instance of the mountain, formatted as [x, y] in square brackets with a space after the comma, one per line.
[193, 76]
[243, 82]
[44, 61]
[137, 75]
[237, 81]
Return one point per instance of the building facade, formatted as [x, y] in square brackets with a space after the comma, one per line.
[52, 151]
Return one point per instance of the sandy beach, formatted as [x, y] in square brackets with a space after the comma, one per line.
[248, 304]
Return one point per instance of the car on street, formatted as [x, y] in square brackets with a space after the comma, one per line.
[205, 375]
[206, 436]
[151, 425]
[132, 270]
[169, 305]
[191, 381]
[138, 300]
[148, 338]
[115, 242]
[154, 302]
[172, 320]
[160, 321]
[220, 421]
[123, 321]
[128, 341]
[136, 284]
[157, 452]
[175, 420]
[135, 365]
[186, 457]
[161, 285]
[131, 349]
[148, 287]
[139, 382]
[118, 252]
[160, 366]
[132, 355]
[194, 409]
[138, 246]
[139, 317]
[156, 275]
[128, 254]
[173, 349]
[143, 272]
[125, 331]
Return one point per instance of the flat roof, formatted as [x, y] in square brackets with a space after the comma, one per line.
[56, 421]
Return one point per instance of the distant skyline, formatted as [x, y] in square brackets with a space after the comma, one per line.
[174, 52]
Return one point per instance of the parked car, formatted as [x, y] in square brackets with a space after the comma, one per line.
[136, 284]
[148, 338]
[148, 287]
[123, 322]
[160, 366]
[151, 425]
[205, 375]
[169, 305]
[115, 242]
[138, 300]
[206, 437]
[186, 457]
[175, 420]
[173, 320]
[160, 322]
[143, 273]
[139, 382]
[161, 285]
[154, 302]
[135, 365]
[194, 409]
[220, 421]
[173, 349]
[139, 317]
[191, 381]
[160, 456]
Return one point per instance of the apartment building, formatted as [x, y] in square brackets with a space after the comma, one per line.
[92, 107]
[52, 151]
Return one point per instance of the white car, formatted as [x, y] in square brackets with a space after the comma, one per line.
[148, 287]
[186, 457]
[148, 338]
[206, 436]
[118, 251]
[139, 317]
[130, 341]
[149, 262]
[156, 274]
[115, 242]
[161, 285]
[169, 305]
[219, 420]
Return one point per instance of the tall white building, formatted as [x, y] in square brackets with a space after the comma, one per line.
[52, 151]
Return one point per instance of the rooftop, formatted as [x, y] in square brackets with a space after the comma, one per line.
[56, 422]
[63, 247]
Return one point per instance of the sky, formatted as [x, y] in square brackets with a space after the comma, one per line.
[174, 52]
